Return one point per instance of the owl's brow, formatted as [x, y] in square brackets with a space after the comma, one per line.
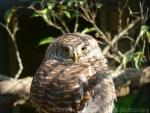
[72, 41]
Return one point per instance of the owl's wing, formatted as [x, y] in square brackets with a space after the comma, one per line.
[104, 94]
[67, 87]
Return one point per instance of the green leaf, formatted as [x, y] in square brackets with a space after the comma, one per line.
[148, 36]
[9, 14]
[51, 5]
[46, 40]
[88, 30]
[70, 3]
[138, 59]
[127, 58]
[81, 2]
[35, 14]
[143, 30]
[67, 14]
[42, 13]
[98, 6]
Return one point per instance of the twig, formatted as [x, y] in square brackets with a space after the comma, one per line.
[121, 11]
[76, 20]
[116, 58]
[49, 21]
[87, 15]
[56, 26]
[122, 33]
[63, 24]
[12, 36]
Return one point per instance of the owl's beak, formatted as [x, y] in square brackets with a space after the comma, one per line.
[75, 57]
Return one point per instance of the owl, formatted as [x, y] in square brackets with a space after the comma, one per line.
[73, 78]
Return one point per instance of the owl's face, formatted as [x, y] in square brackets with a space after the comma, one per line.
[75, 47]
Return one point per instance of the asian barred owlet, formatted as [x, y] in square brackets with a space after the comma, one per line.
[73, 78]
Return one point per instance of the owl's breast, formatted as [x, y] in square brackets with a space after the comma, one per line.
[62, 85]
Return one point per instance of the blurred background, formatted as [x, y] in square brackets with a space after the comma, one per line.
[122, 28]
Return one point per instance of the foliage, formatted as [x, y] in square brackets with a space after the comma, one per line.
[136, 57]
[56, 14]
[62, 15]
[145, 29]
[46, 40]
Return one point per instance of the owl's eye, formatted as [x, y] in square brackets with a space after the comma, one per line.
[65, 50]
[84, 50]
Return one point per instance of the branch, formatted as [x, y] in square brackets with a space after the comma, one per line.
[121, 34]
[87, 15]
[129, 80]
[13, 92]
[20, 87]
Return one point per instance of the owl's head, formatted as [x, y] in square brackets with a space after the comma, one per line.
[75, 47]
